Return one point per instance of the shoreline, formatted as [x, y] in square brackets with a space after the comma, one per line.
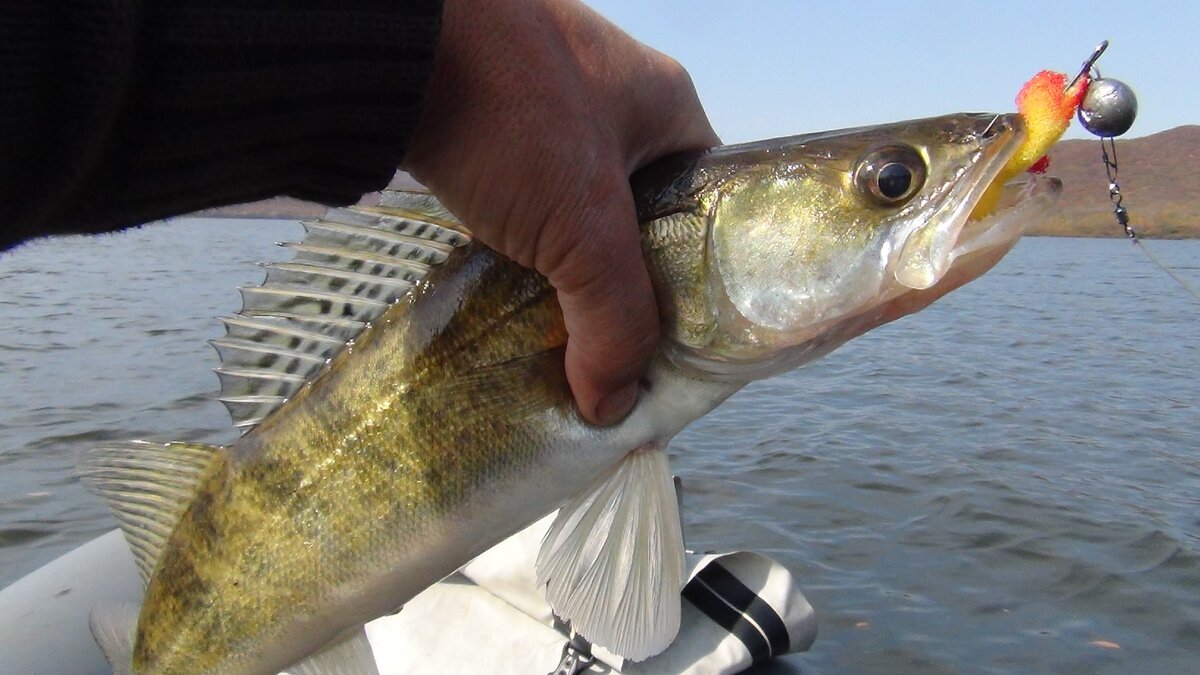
[1093, 228]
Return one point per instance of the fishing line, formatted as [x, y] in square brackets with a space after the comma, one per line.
[1108, 154]
[1187, 286]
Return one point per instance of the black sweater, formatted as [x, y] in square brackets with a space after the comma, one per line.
[118, 112]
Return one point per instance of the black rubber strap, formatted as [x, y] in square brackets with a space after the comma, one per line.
[733, 606]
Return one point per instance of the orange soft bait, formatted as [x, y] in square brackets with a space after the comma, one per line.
[1047, 107]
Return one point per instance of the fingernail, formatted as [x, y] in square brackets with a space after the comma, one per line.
[614, 407]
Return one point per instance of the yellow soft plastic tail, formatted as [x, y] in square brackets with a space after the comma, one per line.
[1047, 106]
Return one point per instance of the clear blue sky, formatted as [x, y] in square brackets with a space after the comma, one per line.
[769, 68]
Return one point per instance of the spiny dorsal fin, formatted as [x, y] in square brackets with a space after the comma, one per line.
[148, 486]
[421, 206]
[352, 265]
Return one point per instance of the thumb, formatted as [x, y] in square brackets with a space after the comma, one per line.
[607, 302]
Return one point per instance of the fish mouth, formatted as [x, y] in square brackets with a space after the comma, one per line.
[927, 253]
[1023, 202]
[980, 244]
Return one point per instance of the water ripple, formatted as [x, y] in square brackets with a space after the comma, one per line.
[999, 484]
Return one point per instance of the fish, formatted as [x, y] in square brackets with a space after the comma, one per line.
[402, 397]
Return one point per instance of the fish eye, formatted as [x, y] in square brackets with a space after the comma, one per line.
[890, 175]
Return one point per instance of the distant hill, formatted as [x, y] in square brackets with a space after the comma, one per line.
[282, 208]
[1158, 176]
[286, 208]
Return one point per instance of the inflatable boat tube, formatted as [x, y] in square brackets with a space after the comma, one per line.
[739, 609]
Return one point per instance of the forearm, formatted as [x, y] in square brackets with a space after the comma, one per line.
[117, 116]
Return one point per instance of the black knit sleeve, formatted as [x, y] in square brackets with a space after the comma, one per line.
[118, 112]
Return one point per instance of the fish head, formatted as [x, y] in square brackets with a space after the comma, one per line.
[793, 246]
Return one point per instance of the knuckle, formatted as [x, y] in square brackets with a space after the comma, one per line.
[679, 76]
[677, 80]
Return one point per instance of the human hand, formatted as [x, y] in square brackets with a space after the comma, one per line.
[537, 113]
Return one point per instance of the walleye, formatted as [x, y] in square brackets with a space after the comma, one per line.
[404, 406]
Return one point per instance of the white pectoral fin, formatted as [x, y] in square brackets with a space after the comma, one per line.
[613, 561]
[113, 626]
[349, 655]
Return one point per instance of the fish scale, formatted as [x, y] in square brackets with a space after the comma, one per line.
[387, 467]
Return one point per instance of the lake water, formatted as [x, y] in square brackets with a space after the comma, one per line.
[1006, 482]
